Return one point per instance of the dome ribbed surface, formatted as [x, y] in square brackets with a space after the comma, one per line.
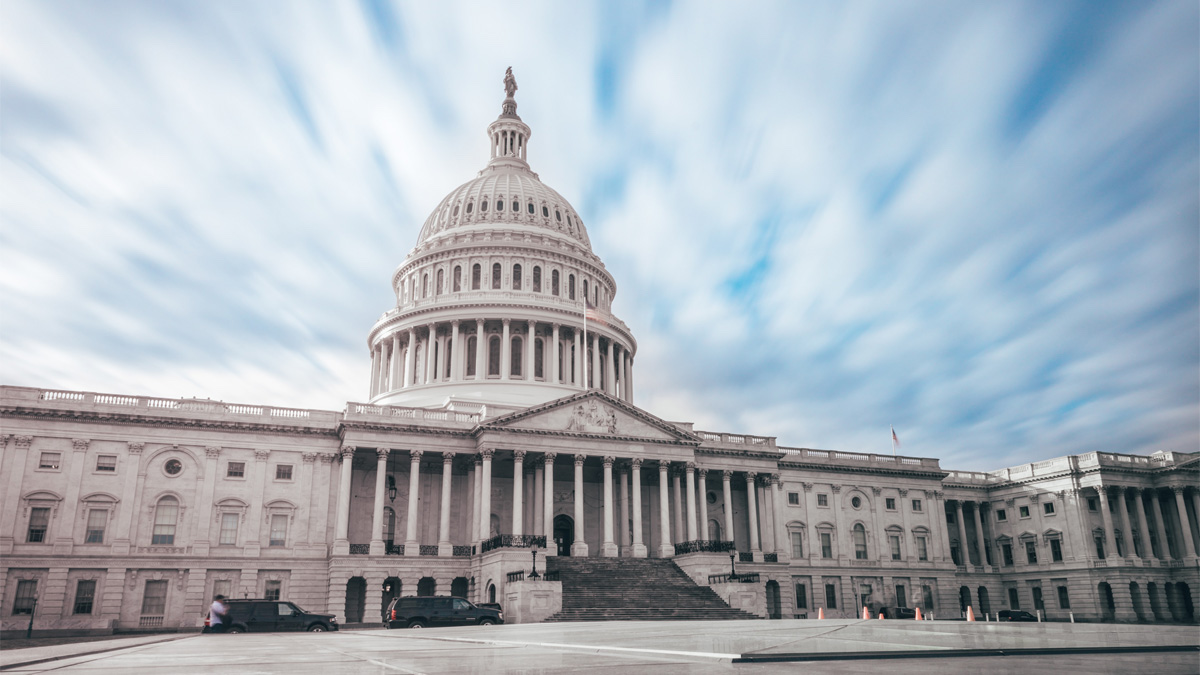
[489, 199]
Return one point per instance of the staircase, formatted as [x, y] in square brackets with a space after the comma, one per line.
[634, 589]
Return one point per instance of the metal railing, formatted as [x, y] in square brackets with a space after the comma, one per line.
[771, 557]
[520, 576]
[751, 578]
[513, 541]
[360, 549]
[745, 556]
[703, 546]
[464, 551]
[394, 549]
[429, 549]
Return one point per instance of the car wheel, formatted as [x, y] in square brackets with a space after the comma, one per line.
[316, 628]
[234, 629]
[486, 622]
[416, 624]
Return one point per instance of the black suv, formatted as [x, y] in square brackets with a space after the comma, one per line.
[1015, 615]
[261, 616]
[443, 611]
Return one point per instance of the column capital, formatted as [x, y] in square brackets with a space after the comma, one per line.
[750, 476]
[903, 492]
[777, 480]
[877, 491]
[549, 457]
[135, 448]
[809, 486]
[579, 459]
[456, 323]
[691, 467]
[448, 456]
[836, 488]
[636, 463]
[415, 454]
[939, 494]
[81, 444]
[1178, 489]
[213, 451]
[726, 475]
[347, 452]
[261, 455]
[556, 325]
[382, 453]
[478, 459]
[703, 473]
[518, 456]
[608, 461]
[487, 453]
[306, 457]
[328, 457]
[506, 321]
[664, 465]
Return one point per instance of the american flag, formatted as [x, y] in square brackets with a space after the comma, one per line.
[593, 314]
[895, 439]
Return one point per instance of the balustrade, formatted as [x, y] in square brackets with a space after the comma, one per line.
[512, 541]
[703, 546]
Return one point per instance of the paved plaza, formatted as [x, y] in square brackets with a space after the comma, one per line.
[667, 647]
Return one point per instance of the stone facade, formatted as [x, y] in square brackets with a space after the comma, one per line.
[500, 419]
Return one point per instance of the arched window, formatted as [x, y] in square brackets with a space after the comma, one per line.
[571, 286]
[440, 279]
[516, 277]
[596, 295]
[449, 357]
[516, 206]
[515, 357]
[494, 356]
[860, 541]
[531, 208]
[499, 205]
[476, 274]
[425, 285]
[418, 376]
[554, 282]
[483, 206]
[585, 289]
[389, 525]
[545, 212]
[470, 205]
[539, 356]
[537, 279]
[471, 346]
[496, 276]
[457, 278]
[166, 514]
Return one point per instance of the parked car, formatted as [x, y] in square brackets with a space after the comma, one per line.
[1015, 615]
[262, 616]
[899, 613]
[439, 611]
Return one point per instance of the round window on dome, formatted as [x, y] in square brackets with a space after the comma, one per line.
[499, 205]
[470, 205]
[545, 212]
[856, 502]
[531, 208]
[173, 467]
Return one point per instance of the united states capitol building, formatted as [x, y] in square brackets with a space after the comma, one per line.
[500, 420]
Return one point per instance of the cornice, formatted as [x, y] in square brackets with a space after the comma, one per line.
[358, 425]
[726, 452]
[583, 436]
[167, 422]
[397, 320]
[843, 468]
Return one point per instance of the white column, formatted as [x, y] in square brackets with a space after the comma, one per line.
[1110, 537]
[665, 548]
[396, 378]
[409, 354]
[485, 496]
[979, 540]
[381, 455]
[445, 546]
[579, 549]
[477, 497]
[691, 501]
[1126, 530]
[548, 503]
[505, 350]
[609, 549]
[610, 372]
[412, 545]
[639, 547]
[480, 351]
[964, 549]
[621, 357]
[535, 506]
[629, 376]
[555, 375]
[677, 497]
[430, 362]
[752, 510]
[766, 517]
[1143, 524]
[577, 367]
[341, 543]
[623, 525]
[456, 352]
[594, 356]
[727, 492]
[518, 512]
[374, 371]
[1189, 544]
[783, 545]
[1160, 529]
[530, 352]
[702, 495]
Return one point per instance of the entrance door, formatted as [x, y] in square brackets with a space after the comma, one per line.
[773, 609]
[564, 534]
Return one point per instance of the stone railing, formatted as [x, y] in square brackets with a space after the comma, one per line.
[751, 578]
[738, 440]
[83, 400]
[397, 413]
[703, 546]
[860, 458]
[974, 477]
[513, 541]
[164, 550]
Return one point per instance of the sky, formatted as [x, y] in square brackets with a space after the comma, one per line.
[976, 222]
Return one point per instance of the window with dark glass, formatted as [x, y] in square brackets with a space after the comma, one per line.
[483, 204]
[441, 274]
[39, 520]
[515, 357]
[916, 505]
[1092, 504]
[229, 529]
[545, 212]
[537, 279]
[50, 460]
[1064, 601]
[494, 356]
[1056, 550]
[1013, 601]
[1037, 598]
[894, 540]
[822, 500]
[859, 534]
[1048, 508]
[271, 591]
[476, 273]
[889, 503]
[1100, 547]
[793, 499]
[85, 595]
[571, 286]
[539, 357]
[901, 595]
[797, 545]
[831, 596]
[235, 470]
[922, 549]
[1031, 552]
[499, 205]
[471, 347]
[516, 280]
[283, 472]
[1001, 515]
[457, 278]
[530, 208]
[496, 276]
[826, 545]
[1024, 511]
[26, 592]
[801, 596]
[106, 463]
[165, 517]
[554, 282]
[97, 520]
[154, 600]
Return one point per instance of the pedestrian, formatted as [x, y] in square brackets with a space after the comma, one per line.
[217, 615]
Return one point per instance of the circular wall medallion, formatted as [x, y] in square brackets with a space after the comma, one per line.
[856, 502]
[173, 467]
[711, 497]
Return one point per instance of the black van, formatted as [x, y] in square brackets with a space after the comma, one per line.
[261, 616]
[438, 611]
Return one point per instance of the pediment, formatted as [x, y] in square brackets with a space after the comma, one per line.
[591, 414]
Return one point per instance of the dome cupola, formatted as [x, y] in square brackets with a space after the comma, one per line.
[491, 303]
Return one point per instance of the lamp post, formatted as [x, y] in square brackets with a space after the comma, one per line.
[534, 574]
[32, 609]
[732, 569]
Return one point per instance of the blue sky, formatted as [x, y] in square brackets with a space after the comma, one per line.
[977, 222]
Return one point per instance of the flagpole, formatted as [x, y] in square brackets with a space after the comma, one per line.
[585, 345]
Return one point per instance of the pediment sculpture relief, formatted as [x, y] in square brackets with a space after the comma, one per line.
[593, 417]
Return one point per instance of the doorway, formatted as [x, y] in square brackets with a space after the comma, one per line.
[773, 609]
[564, 534]
[356, 599]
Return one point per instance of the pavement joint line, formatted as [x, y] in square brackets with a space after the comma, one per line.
[579, 647]
[959, 653]
[34, 662]
[381, 664]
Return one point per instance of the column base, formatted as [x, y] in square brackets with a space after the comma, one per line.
[609, 550]
[412, 548]
[445, 549]
[666, 550]
[579, 549]
[758, 555]
[341, 547]
[638, 551]
[377, 547]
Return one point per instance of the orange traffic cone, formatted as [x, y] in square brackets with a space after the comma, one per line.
[970, 613]
[881, 616]
[918, 617]
[866, 613]
[820, 612]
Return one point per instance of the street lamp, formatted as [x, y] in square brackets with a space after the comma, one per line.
[391, 487]
[732, 569]
[32, 609]
[534, 574]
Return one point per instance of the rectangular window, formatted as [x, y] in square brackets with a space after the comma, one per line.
[283, 472]
[901, 596]
[229, 528]
[1064, 601]
[39, 520]
[831, 596]
[278, 530]
[889, 503]
[793, 499]
[1092, 504]
[154, 600]
[26, 591]
[826, 545]
[922, 549]
[1006, 549]
[222, 587]
[822, 500]
[950, 517]
[1031, 552]
[50, 460]
[797, 545]
[801, 596]
[85, 594]
[1024, 511]
[271, 590]
[1100, 548]
[1048, 508]
[1001, 515]
[235, 470]
[106, 463]
[1013, 601]
[1056, 550]
[1038, 603]
[894, 539]
[916, 505]
[927, 597]
[97, 520]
